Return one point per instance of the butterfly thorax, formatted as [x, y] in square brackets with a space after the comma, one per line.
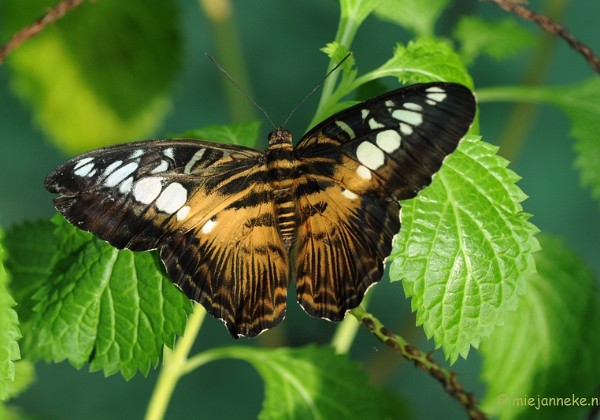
[281, 167]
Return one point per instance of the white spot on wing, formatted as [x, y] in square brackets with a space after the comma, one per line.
[136, 154]
[110, 168]
[125, 186]
[169, 153]
[83, 162]
[363, 172]
[172, 198]
[364, 113]
[436, 94]
[208, 226]
[183, 212]
[413, 107]
[370, 155]
[346, 128]
[349, 194]
[120, 174]
[84, 170]
[162, 166]
[147, 189]
[437, 97]
[406, 129]
[388, 140]
[410, 117]
[197, 156]
[389, 103]
[373, 124]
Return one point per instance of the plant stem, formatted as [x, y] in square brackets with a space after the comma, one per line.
[229, 53]
[346, 332]
[174, 363]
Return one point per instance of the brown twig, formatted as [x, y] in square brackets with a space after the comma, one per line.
[28, 32]
[552, 27]
[422, 361]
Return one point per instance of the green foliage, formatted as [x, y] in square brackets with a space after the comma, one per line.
[418, 16]
[549, 346]
[465, 254]
[497, 40]
[122, 85]
[241, 134]
[314, 382]
[114, 309]
[580, 102]
[465, 248]
[9, 334]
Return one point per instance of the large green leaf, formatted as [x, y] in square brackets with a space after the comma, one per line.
[114, 309]
[100, 75]
[549, 346]
[465, 248]
[315, 383]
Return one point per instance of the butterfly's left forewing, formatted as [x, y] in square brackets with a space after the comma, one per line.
[354, 167]
[207, 206]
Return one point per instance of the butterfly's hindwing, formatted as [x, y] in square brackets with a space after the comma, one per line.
[342, 241]
[235, 264]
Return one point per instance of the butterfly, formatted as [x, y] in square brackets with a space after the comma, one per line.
[233, 225]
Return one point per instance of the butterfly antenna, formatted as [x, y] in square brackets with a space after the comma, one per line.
[317, 86]
[216, 63]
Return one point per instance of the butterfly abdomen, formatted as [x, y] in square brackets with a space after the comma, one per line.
[281, 166]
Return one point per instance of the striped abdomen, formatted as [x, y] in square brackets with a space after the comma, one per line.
[281, 169]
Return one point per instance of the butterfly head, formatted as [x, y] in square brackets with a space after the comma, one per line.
[280, 136]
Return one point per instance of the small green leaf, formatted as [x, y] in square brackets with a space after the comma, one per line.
[423, 61]
[314, 382]
[465, 248]
[357, 11]
[245, 134]
[549, 346]
[114, 309]
[497, 40]
[9, 334]
[418, 16]
[106, 69]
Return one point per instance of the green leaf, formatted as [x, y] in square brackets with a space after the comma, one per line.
[245, 134]
[418, 16]
[549, 346]
[115, 309]
[497, 40]
[582, 104]
[31, 251]
[420, 61]
[107, 67]
[423, 61]
[9, 334]
[357, 11]
[465, 248]
[315, 383]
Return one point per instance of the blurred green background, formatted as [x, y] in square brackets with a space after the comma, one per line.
[280, 42]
